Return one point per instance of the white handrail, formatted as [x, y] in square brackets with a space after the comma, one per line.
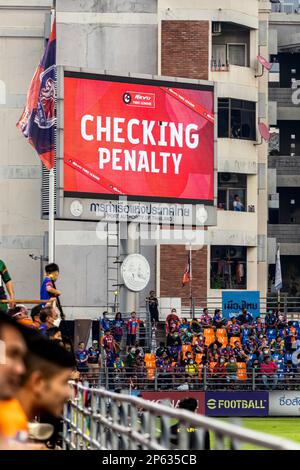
[115, 416]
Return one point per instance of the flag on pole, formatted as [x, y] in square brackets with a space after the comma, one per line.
[38, 120]
[278, 276]
[187, 272]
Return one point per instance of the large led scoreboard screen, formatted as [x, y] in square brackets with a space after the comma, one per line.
[146, 139]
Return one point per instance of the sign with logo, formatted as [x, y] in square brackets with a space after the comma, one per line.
[175, 397]
[236, 403]
[284, 403]
[145, 139]
[235, 301]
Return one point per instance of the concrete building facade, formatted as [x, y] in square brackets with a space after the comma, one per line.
[217, 41]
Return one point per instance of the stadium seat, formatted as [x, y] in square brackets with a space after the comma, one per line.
[198, 358]
[184, 349]
[150, 368]
[221, 335]
[149, 357]
[242, 371]
[209, 336]
[233, 339]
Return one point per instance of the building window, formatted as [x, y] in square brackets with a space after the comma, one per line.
[232, 191]
[228, 267]
[237, 54]
[236, 119]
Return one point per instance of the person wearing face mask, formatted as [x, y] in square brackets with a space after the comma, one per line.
[219, 373]
[191, 371]
[268, 370]
[47, 289]
[231, 371]
[265, 352]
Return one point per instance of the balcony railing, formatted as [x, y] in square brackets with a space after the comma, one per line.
[290, 7]
[285, 165]
[285, 233]
[216, 66]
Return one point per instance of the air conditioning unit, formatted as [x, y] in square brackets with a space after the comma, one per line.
[228, 178]
[216, 27]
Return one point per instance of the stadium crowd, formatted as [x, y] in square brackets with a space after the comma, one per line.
[38, 360]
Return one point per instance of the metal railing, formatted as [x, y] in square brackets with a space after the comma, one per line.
[203, 379]
[96, 419]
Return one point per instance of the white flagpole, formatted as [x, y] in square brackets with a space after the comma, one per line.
[51, 216]
[191, 281]
[51, 227]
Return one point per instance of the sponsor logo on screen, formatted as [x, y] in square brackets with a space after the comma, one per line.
[139, 99]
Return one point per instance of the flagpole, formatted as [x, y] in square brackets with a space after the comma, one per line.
[278, 292]
[191, 282]
[51, 227]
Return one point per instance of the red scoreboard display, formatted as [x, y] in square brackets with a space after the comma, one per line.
[146, 139]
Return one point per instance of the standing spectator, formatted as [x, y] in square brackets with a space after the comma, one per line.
[258, 325]
[47, 289]
[205, 318]
[218, 319]
[245, 318]
[108, 342]
[104, 323]
[289, 375]
[153, 307]
[231, 369]
[172, 321]
[5, 282]
[117, 325]
[219, 372]
[268, 370]
[130, 361]
[237, 204]
[132, 329]
[82, 357]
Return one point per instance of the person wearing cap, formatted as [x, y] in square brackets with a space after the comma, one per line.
[5, 283]
[94, 356]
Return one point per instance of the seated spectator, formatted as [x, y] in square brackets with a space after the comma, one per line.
[35, 315]
[47, 319]
[205, 319]
[162, 348]
[195, 327]
[245, 318]
[268, 370]
[218, 320]
[233, 329]
[173, 339]
[184, 326]
[277, 345]
[54, 333]
[20, 314]
[118, 364]
[258, 325]
[227, 352]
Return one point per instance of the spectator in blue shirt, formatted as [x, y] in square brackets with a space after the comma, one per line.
[245, 318]
[218, 319]
[104, 323]
[270, 319]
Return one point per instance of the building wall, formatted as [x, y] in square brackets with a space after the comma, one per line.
[184, 49]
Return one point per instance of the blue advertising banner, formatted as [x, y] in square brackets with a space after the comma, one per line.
[235, 301]
[236, 404]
